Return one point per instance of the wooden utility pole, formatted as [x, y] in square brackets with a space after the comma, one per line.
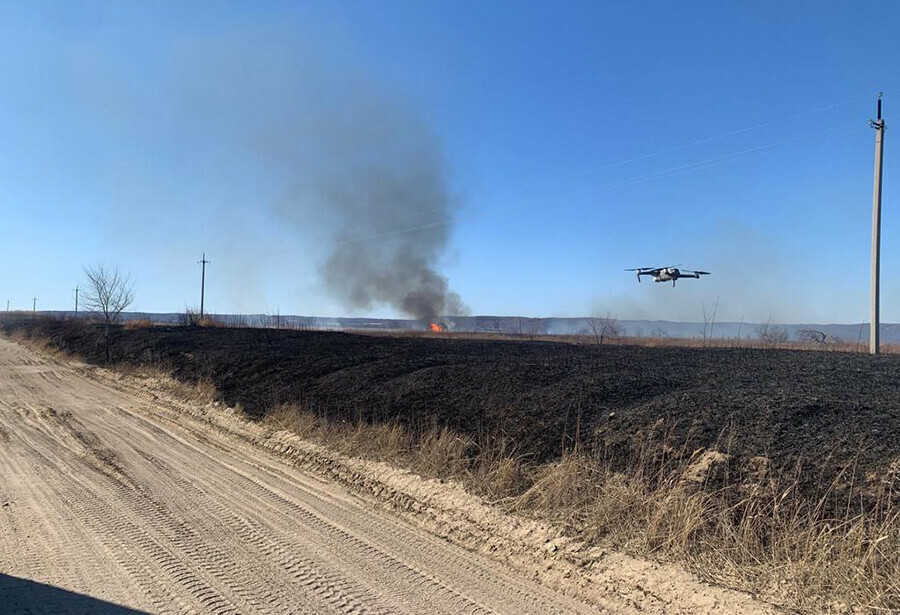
[76, 301]
[203, 262]
[875, 315]
[34, 305]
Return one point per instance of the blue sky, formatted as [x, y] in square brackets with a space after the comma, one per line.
[578, 139]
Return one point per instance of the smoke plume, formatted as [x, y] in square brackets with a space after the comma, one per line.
[368, 178]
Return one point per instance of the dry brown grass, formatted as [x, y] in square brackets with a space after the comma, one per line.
[760, 537]
[756, 534]
[139, 323]
[649, 342]
[205, 391]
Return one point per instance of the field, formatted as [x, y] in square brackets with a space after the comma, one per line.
[769, 470]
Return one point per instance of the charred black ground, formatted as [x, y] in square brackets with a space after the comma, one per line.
[825, 409]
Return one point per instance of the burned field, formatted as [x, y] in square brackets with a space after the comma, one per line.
[831, 412]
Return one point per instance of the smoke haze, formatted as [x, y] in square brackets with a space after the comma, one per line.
[376, 184]
[754, 279]
[344, 164]
[364, 181]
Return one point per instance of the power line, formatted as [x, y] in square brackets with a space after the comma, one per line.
[675, 172]
[395, 232]
[692, 143]
[699, 165]
[702, 164]
[609, 165]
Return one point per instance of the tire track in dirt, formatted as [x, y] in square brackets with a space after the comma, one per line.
[379, 562]
[337, 539]
[40, 547]
[322, 513]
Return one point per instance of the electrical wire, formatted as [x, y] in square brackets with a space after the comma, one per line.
[699, 165]
[646, 156]
[738, 154]
[689, 145]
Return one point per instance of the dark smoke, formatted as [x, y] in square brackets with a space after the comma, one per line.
[405, 280]
[359, 178]
[371, 177]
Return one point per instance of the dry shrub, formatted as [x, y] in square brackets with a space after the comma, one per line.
[500, 478]
[565, 486]
[205, 391]
[385, 442]
[442, 452]
[804, 556]
[293, 418]
[498, 472]
[491, 467]
[762, 538]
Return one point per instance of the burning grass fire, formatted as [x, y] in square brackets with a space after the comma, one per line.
[436, 328]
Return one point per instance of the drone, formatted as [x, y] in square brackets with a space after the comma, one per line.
[664, 274]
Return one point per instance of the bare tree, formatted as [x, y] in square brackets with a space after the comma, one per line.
[535, 327]
[813, 336]
[659, 332]
[190, 317]
[709, 320]
[771, 334]
[820, 338]
[493, 325]
[604, 328]
[307, 323]
[107, 295]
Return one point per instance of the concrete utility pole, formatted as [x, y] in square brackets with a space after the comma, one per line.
[203, 262]
[76, 301]
[875, 315]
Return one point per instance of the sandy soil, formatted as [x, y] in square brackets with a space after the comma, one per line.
[113, 493]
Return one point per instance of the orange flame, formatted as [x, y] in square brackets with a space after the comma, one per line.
[436, 328]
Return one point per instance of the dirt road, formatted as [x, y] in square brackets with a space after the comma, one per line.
[109, 499]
